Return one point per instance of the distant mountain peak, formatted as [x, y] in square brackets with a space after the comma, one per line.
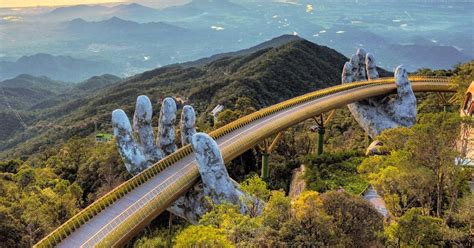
[136, 5]
[80, 7]
[30, 77]
[78, 21]
[115, 19]
[275, 42]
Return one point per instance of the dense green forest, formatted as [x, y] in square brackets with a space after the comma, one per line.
[48, 175]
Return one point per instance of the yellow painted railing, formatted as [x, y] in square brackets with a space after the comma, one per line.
[88, 213]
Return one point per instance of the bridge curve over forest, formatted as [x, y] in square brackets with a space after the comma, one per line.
[119, 215]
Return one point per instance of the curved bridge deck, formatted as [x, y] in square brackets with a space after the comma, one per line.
[118, 216]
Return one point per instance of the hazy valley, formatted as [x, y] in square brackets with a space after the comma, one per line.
[130, 38]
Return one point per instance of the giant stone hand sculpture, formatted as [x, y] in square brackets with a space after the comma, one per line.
[139, 155]
[379, 113]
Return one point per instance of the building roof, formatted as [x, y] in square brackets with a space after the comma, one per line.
[471, 88]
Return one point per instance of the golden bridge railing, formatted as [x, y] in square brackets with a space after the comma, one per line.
[92, 210]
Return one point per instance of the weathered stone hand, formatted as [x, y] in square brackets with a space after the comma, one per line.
[377, 114]
[216, 184]
[139, 155]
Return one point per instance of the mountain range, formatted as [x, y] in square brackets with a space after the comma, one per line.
[120, 29]
[131, 11]
[132, 38]
[63, 68]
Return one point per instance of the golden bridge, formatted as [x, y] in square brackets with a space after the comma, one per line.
[117, 216]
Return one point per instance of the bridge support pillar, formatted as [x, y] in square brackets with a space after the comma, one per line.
[321, 132]
[265, 168]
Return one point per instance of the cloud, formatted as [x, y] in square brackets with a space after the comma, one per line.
[217, 28]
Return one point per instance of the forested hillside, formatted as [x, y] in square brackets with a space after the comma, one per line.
[264, 77]
[26, 99]
[24, 91]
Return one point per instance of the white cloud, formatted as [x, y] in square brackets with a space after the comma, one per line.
[217, 28]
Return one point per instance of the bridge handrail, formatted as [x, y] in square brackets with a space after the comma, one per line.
[102, 203]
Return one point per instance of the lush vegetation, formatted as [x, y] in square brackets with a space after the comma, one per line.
[329, 219]
[421, 184]
[39, 194]
[335, 171]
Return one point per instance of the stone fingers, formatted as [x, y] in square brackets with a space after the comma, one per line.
[217, 183]
[143, 127]
[166, 127]
[403, 107]
[187, 124]
[371, 67]
[347, 73]
[131, 153]
[402, 82]
[358, 65]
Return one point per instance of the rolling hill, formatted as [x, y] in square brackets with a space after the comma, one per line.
[25, 91]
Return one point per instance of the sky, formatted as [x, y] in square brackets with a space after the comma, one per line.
[30, 3]
[34, 3]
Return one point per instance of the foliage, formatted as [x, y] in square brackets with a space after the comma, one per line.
[415, 169]
[10, 166]
[256, 187]
[462, 76]
[359, 222]
[202, 236]
[332, 171]
[311, 219]
[277, 210]
[238, 228]
[414, 229]
[461, 223]
[424, 190]
[33, 202]
[41, 193]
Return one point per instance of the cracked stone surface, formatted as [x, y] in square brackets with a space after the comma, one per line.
[379, 113]
[143, 128]
[187, 124]
[166, 128]
[216, 180]
[132, 155]
[141, 153]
